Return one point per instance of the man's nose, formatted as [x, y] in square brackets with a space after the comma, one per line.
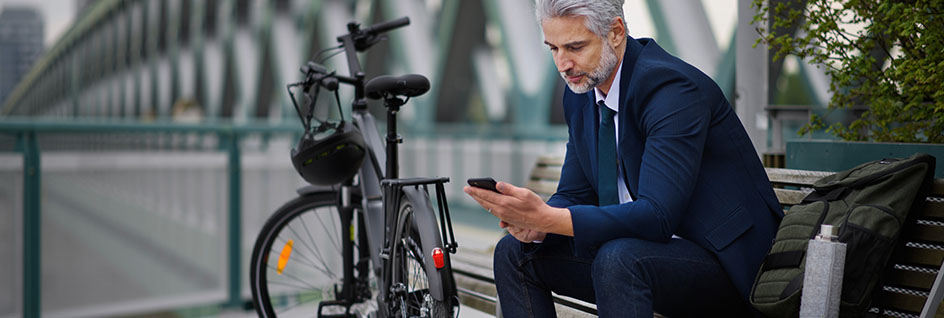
[563, 63]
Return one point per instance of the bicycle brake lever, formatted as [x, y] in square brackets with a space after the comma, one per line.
[365, 41]
[312, 67]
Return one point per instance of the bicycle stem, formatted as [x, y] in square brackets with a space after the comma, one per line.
[360, 100]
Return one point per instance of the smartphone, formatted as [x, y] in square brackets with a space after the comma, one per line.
[484, 183]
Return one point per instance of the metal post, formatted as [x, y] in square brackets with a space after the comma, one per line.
[934, 298]
[659, 21]
[31, 225]
[682, 28]
[235, 220]
[751, 78]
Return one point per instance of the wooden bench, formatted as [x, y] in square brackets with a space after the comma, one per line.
[914, 279]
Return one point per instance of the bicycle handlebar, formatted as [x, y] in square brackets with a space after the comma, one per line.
[387, 26]
[356, 40]
[360, 40]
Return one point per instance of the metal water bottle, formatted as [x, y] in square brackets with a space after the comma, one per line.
[822, 281]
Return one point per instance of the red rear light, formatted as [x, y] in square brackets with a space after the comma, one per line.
[438, 258]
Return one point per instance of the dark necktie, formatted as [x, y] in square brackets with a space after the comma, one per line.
[606, 158]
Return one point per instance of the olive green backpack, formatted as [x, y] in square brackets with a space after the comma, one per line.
[869, 205]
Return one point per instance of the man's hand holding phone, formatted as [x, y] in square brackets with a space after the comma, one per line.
[522, 212]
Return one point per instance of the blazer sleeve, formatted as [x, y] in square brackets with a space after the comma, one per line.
[674, 119]
[573, 187]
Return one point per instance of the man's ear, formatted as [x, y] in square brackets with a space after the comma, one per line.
[617, 32]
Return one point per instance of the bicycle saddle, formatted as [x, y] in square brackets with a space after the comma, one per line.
[409, 85]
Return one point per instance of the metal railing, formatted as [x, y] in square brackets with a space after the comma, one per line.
[82, 165]
[129, 217]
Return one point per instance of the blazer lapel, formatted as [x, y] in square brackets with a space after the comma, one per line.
[633, 49]
[630, 143]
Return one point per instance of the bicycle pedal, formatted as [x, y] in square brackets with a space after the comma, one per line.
[331, 303]
[337, 316]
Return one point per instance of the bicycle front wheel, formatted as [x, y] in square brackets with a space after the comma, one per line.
[410, 281]
[297, 260]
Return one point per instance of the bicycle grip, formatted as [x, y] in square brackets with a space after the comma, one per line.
[388, 25]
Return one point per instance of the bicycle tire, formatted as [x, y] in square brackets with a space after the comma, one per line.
[409, 269]
[312, 266]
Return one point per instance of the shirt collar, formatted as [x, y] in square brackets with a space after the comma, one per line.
[612, 99]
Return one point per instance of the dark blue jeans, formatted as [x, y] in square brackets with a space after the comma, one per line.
[626, 278]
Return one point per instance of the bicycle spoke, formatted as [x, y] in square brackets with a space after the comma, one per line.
[330, 236]
[303, 256]
[411, 269]
[317, 251]
[311, 238]
[287, 284]
[325, 268]
[300, 256]
[296, 278]
[336, 244]
[304, 260]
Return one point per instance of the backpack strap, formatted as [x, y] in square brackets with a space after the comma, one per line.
[783, 260]
[794, 285]
[832, 195]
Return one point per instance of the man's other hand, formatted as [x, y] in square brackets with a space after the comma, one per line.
[522, 234]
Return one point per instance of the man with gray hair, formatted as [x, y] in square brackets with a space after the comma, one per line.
[662, 205]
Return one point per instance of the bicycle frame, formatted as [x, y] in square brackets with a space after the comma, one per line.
[377, 218]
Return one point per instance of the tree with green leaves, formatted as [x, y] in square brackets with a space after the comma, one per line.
[887, 56]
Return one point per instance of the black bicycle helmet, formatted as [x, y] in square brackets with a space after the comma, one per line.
[329, 158]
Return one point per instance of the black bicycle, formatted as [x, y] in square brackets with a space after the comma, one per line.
[303, 262]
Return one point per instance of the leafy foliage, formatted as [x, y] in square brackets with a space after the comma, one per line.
[885, 55]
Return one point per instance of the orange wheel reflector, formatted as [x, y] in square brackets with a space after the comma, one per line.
[438, 258]
[283, 257]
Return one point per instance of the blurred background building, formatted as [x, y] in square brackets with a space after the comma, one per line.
[21, 43]
[146, 146]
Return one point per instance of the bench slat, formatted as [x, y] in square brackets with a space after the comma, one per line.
[470, 290]
[541, 187]
[550, 161]
[937, 188]
[790, 197]
[909, 279]
[925, 233]
[794, 177]
[933, 209]
[546, 173]
[900, 302]
[919, 256]
[475, 280]
[462, 267]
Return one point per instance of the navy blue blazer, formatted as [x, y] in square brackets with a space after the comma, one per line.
[688, 163]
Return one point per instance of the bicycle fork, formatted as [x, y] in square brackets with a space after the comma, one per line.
[353, 290]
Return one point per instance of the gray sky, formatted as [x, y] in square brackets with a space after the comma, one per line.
[58, 15]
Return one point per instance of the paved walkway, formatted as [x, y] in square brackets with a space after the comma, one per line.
[464, 312]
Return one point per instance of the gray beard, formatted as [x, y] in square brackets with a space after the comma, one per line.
[601, 73]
